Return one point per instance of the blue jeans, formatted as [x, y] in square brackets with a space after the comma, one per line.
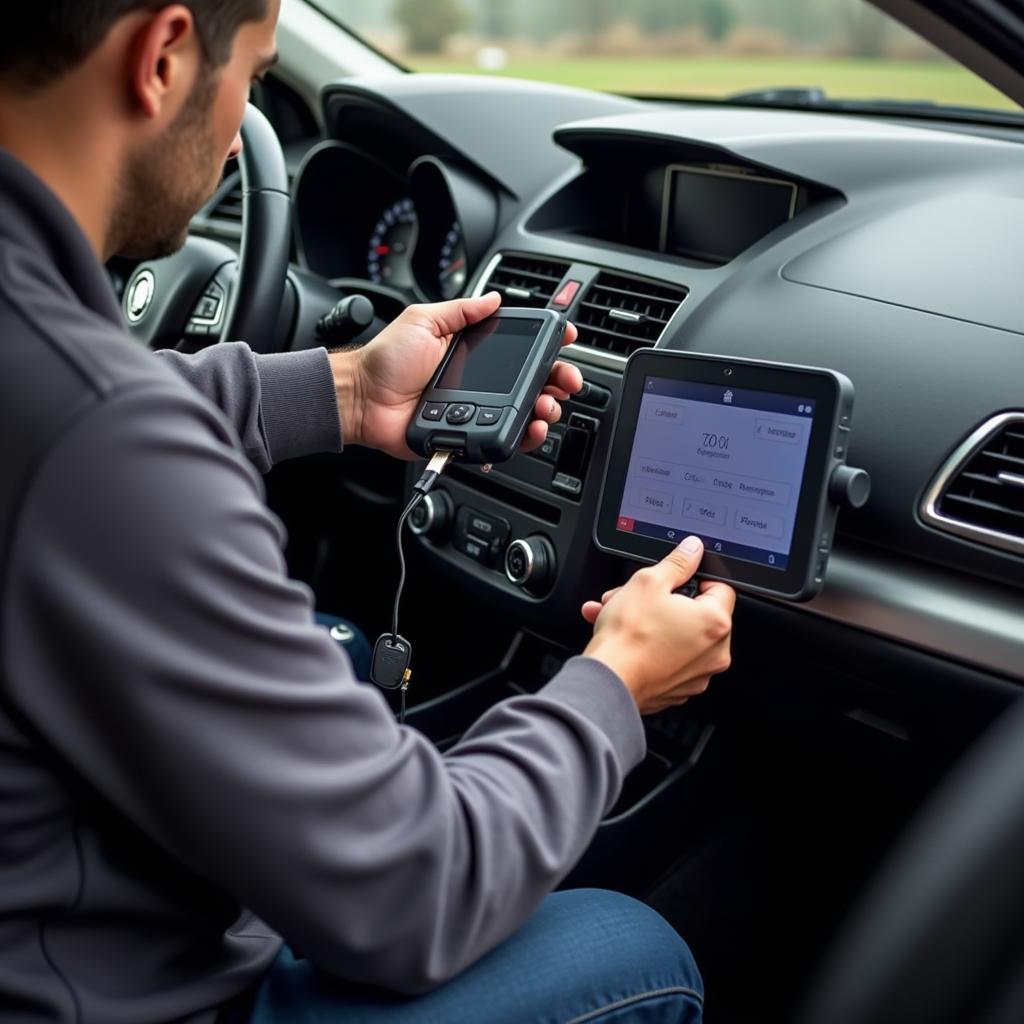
[586, 955]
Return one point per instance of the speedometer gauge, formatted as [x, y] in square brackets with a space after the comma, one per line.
[439, 268]
[452, 264]
[389, 260]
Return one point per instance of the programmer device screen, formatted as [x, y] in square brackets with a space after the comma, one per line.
[723, 463]
[715, 217]
[490, 356]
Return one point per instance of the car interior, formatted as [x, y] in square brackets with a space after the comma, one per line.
[882, 243]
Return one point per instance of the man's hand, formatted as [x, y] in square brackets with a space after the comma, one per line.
[664, 647]
[380, 385]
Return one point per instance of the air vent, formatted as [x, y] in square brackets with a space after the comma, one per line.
[527, 280]
[229, 206]
[222, 216]
[979, 493]
[621, 314]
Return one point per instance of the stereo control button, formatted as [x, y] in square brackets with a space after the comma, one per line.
[593, 395]
[432, 517]
[434, 410]
[549, 450]
[531, 564]
[567, 484]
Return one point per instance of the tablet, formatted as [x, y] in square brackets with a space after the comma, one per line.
[739, 452]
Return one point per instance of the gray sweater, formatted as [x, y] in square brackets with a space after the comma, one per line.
[188, 769]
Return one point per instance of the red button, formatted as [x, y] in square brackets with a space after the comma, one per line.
[626, 524]
[566, 295]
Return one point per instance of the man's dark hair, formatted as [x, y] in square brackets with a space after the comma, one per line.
[40, 40]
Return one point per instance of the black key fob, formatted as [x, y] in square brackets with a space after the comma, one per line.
[391, 658]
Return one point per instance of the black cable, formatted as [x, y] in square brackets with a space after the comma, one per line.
[416, 499]
[437, 465]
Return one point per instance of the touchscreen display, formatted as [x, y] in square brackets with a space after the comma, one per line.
[715, 217]
[490, 356]
[723, 463]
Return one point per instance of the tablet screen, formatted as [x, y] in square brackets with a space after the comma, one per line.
[724, 463]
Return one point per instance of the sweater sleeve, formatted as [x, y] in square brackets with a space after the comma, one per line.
[192, 691]
[281, 405]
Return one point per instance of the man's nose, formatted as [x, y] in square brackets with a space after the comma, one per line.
[236, 146]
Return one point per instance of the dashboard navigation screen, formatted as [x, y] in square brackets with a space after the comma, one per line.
[714, 216]
[737, 452]
[724, 463]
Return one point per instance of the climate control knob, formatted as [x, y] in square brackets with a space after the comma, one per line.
[432, 517]
[531, 563]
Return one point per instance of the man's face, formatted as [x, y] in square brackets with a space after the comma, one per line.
[167, 182]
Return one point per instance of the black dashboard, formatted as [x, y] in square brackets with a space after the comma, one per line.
[883, 250]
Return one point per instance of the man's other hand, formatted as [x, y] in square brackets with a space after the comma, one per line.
[664, 647]
[380, 384]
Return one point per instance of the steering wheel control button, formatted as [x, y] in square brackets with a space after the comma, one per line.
[207, 308]
[460, 413]
[434, 410]
[488, 417]
[564, 299]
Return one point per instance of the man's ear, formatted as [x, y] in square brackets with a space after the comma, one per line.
[163, 60]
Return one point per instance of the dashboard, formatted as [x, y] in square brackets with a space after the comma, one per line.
[883, 250]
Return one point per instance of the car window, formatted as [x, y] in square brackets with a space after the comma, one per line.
[823, 50]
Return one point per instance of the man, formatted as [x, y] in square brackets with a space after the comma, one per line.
[177, 740]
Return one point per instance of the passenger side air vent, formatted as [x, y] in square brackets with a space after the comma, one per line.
[526, 280]
[622, 314]
[979, 493]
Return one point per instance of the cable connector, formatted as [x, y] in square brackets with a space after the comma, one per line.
[435, 467]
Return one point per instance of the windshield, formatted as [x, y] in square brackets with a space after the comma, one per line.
[826, 50]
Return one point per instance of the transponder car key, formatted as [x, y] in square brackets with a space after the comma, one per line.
[391, 658]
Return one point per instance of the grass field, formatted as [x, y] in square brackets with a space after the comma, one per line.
[719, 76]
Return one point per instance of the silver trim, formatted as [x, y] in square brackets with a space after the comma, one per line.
[428, 523]
[1013, 479]
[626, 316]
[714, 173]
[955, 616]
[579, 353]
[488, 273]
[530, 563]
[144, 281]
[596, 357]
[967, 450]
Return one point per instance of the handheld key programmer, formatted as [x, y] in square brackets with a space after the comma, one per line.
[480, 401]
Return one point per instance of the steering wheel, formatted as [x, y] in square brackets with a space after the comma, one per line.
[205, 291]
[939, 938]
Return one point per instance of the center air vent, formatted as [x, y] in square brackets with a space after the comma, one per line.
[979, 493]
[621, 314]
[526, 280]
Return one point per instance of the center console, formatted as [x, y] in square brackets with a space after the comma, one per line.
[521, 532]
